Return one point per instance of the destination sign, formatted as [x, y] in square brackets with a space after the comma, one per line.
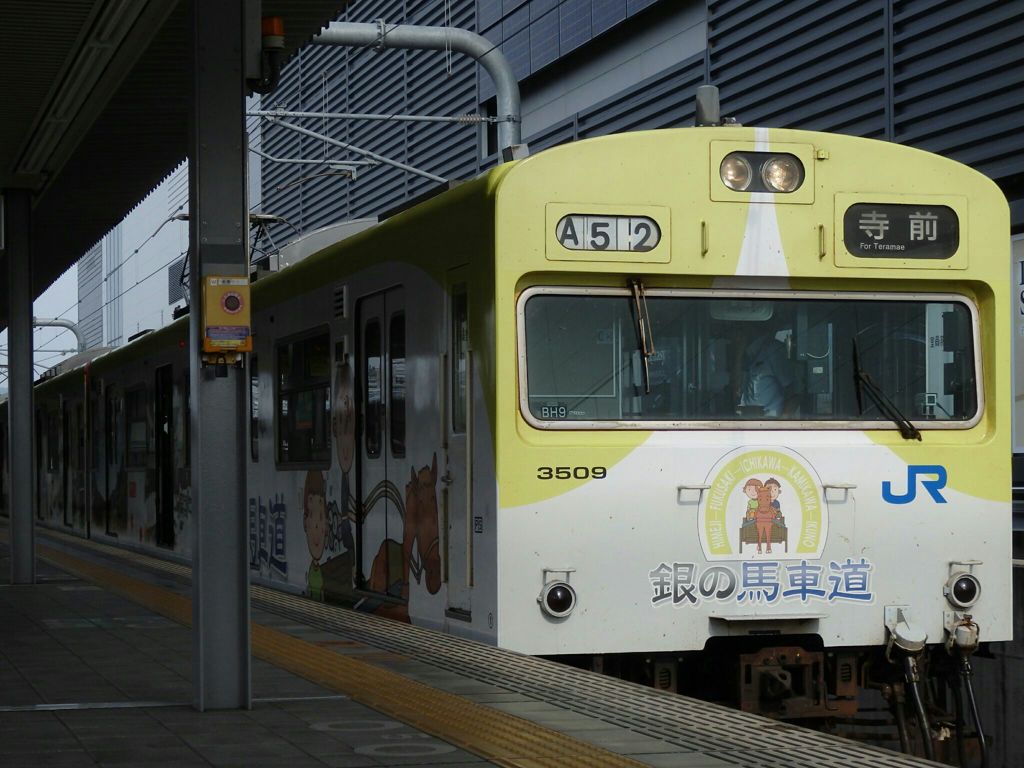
[888, 231]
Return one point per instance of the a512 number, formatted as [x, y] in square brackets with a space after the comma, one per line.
[587, 232]
[572, 473]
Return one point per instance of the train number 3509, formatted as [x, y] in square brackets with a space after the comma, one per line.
[572, 473]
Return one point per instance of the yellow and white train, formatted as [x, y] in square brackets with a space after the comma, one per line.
[723, 408]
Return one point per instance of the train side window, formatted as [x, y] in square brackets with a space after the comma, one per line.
[254, 407]
[137, 425]
[113, 414]
[3, 468]
[460, 343]
[78, 440]
[52, 441]
[185, 416]
[373, 387]
[304, 400]
[396, 357]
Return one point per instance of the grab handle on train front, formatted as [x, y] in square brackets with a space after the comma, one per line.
[682, 493]
[843, 488]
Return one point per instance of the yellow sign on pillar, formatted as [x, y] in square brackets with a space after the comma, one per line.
[227, 318]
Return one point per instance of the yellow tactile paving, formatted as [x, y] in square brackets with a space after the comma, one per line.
[494, 735]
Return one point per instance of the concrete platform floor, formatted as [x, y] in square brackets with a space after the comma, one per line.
[88, 678]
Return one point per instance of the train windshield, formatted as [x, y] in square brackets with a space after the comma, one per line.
[605, 356]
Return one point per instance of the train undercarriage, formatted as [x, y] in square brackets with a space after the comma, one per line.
[920, 702]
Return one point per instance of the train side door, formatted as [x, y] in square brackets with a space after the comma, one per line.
[65, 461]
[164, 457]
[380, 351]
[78, 442]
[4, 470]
[42, 458]
[455, 481]
[111, 459]
[94, 455]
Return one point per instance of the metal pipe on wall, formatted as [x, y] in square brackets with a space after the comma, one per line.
[55, 322]
[381, 35]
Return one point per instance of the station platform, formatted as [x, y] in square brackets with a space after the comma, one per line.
[95, 671]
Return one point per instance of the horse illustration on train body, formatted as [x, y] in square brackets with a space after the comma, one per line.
[417, 554]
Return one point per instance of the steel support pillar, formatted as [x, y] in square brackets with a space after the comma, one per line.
[21, 454]
[218, 237]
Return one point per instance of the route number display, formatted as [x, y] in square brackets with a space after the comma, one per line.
[580, 232]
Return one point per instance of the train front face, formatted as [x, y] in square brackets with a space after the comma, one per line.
[753, 397]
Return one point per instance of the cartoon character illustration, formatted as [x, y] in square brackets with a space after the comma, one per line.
[339, 570]
[763, 523]
[751, 489]
[776, 489]
[419, 553]
[763, 517]
[343, 428]
[314, 521]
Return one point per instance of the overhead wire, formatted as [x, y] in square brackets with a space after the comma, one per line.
[57, 331]
[132, 287]
[174, 216]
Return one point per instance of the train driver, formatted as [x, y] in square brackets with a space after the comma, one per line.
[765, 377]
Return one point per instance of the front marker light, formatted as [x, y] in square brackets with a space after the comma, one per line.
[782, 173]
[735, 172]
[962, 590]
[557, 599]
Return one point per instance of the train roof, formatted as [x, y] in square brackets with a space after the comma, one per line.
[315, 241]
[471, 198]
[73, 362]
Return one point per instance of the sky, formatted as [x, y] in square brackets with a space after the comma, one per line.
[51, 345]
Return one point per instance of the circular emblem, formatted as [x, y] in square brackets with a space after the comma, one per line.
[763, 503]
[231, 302]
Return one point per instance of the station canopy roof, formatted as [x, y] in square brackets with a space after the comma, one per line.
[95, 99]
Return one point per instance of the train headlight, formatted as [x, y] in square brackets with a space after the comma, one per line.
[962, 590]
[782, 173]
[557, 599]
[736, 173]
[774, 172]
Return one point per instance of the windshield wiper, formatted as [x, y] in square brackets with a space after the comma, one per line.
[644, 337]
[864, 383]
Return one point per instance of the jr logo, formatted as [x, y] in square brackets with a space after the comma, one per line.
[914, 471]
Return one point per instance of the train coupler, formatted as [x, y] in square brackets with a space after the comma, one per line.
[785, 682]
[906, 645]
[962, 633]
[963, 636]
[905, 637]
